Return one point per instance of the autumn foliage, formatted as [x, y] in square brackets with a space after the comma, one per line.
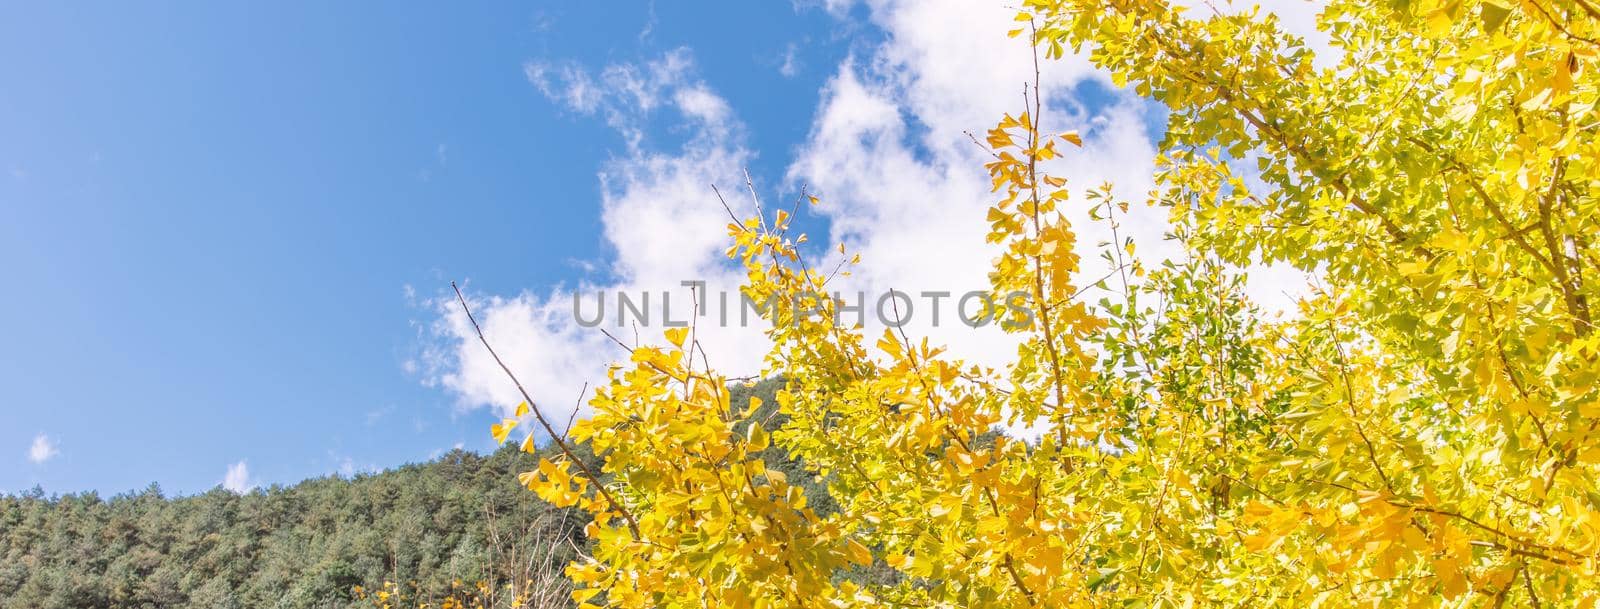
[1423, 431]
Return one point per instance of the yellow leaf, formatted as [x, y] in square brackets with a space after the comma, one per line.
[528, 445]
[528, 479]
[676, 336]
[758, 437]
[502, 429]
[898, 561]
[1493, 15]
[858, 553]
[755, 405]
[1439, 23]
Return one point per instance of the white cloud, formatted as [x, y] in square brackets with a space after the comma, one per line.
[702, 105]
[649, 24]
[564, 83]
[889, 153]
[624, 94]
[890, 149]
[905, 185]
[791, 61]
[1299, 17]
[42, 449]
[662, 220]
[346, 466]
[238, 478]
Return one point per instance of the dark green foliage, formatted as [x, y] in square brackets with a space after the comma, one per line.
[774, 457]
[460, 517]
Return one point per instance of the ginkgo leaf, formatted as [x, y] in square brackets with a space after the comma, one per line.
[1412, 429]
[676, 336]
[528, 445]
[859, 553]
[1493, 15]
[757, 437]
[502, 429]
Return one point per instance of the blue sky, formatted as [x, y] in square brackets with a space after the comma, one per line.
[228, 228]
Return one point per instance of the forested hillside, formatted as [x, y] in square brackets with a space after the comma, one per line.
[306, 545]
[435, 531]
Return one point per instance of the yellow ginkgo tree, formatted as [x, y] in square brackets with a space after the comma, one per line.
[1423, 431]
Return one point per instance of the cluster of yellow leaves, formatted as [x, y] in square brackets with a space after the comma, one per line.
[1424, 431]
[1431, 437]
[696, 519]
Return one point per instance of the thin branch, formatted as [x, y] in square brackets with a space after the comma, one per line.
[1527, 580]
[633, 526]
[1038, 264]
[574, 416]
[980, 145]
[731, 215]
[751, 185]
[794, 211]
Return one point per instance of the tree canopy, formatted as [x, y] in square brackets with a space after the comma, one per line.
[1422, 431]
[429, 530]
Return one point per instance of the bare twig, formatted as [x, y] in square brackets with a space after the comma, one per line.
[633, 526]
[751, 185]
[794, 210]
[980, 145]
[733, 216]
[572, 417]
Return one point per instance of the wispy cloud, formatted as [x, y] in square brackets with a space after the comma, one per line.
[238, 479]
[903, 184]
[791, 61]
[376, 415]
[345, 466]
[649, 24]
[624, 94]
[888, 152]
[42, 449]
[658, 213]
